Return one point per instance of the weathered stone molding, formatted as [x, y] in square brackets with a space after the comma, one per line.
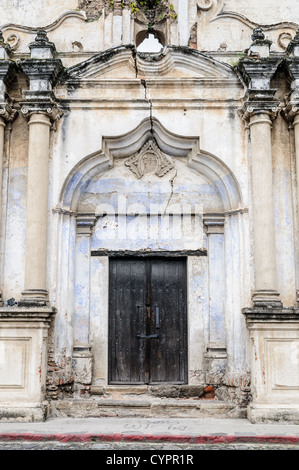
[50, 27]
[283, 28]
[261, 314]
[213, 224]
[85, 224]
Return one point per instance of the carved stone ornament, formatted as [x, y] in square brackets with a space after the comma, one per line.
[7, 113]
[258, 34]
[204, 4]
[13, 40]
[150, 160]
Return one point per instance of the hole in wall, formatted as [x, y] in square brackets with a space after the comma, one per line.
[149, 42]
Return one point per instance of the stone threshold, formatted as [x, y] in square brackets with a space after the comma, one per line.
[150, 391]
[151, 407]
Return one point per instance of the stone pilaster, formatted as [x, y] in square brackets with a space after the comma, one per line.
[291, 110]
[41, 111]
[7, 113]
[216, 354]
[82, 356]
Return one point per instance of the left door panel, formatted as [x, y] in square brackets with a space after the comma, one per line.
[127, 299]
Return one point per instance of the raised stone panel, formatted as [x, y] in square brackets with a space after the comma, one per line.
[14, 363]
[274, 362]
[282, 362]
[23, 362]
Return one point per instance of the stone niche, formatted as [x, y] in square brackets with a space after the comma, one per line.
[23, 363]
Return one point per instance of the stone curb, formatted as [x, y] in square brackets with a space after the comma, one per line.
[202, 439]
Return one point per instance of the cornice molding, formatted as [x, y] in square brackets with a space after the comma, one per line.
[151, 64]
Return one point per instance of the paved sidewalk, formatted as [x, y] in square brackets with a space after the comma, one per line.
[150, 430]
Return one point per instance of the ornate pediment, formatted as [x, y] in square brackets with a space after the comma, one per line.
[172, 58]
[150, 160]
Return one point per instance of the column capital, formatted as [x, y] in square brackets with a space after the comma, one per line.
[7, 113]
[85, 223]
[259, 107]
[213, 224]
[291, 110]
[48, 108]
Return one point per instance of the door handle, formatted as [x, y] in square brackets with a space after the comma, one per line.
[157, 317]
[147, 336]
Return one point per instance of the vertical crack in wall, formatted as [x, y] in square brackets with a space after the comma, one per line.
[171, 181]
[143, 82]
[134, 55]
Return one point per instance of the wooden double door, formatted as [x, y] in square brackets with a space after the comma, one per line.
[147, 320]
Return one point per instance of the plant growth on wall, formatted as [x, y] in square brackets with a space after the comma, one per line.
[157, 9]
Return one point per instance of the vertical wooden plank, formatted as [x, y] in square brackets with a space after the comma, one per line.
[126, 320]
[169, 293]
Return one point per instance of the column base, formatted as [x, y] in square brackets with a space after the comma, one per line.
[274, 413]
[82, 363]
[215, 363]
[34, 298]
[266, 298]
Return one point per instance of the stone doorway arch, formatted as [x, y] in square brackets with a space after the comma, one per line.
[211, 306]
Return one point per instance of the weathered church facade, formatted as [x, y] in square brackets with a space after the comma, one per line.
[149, 242]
